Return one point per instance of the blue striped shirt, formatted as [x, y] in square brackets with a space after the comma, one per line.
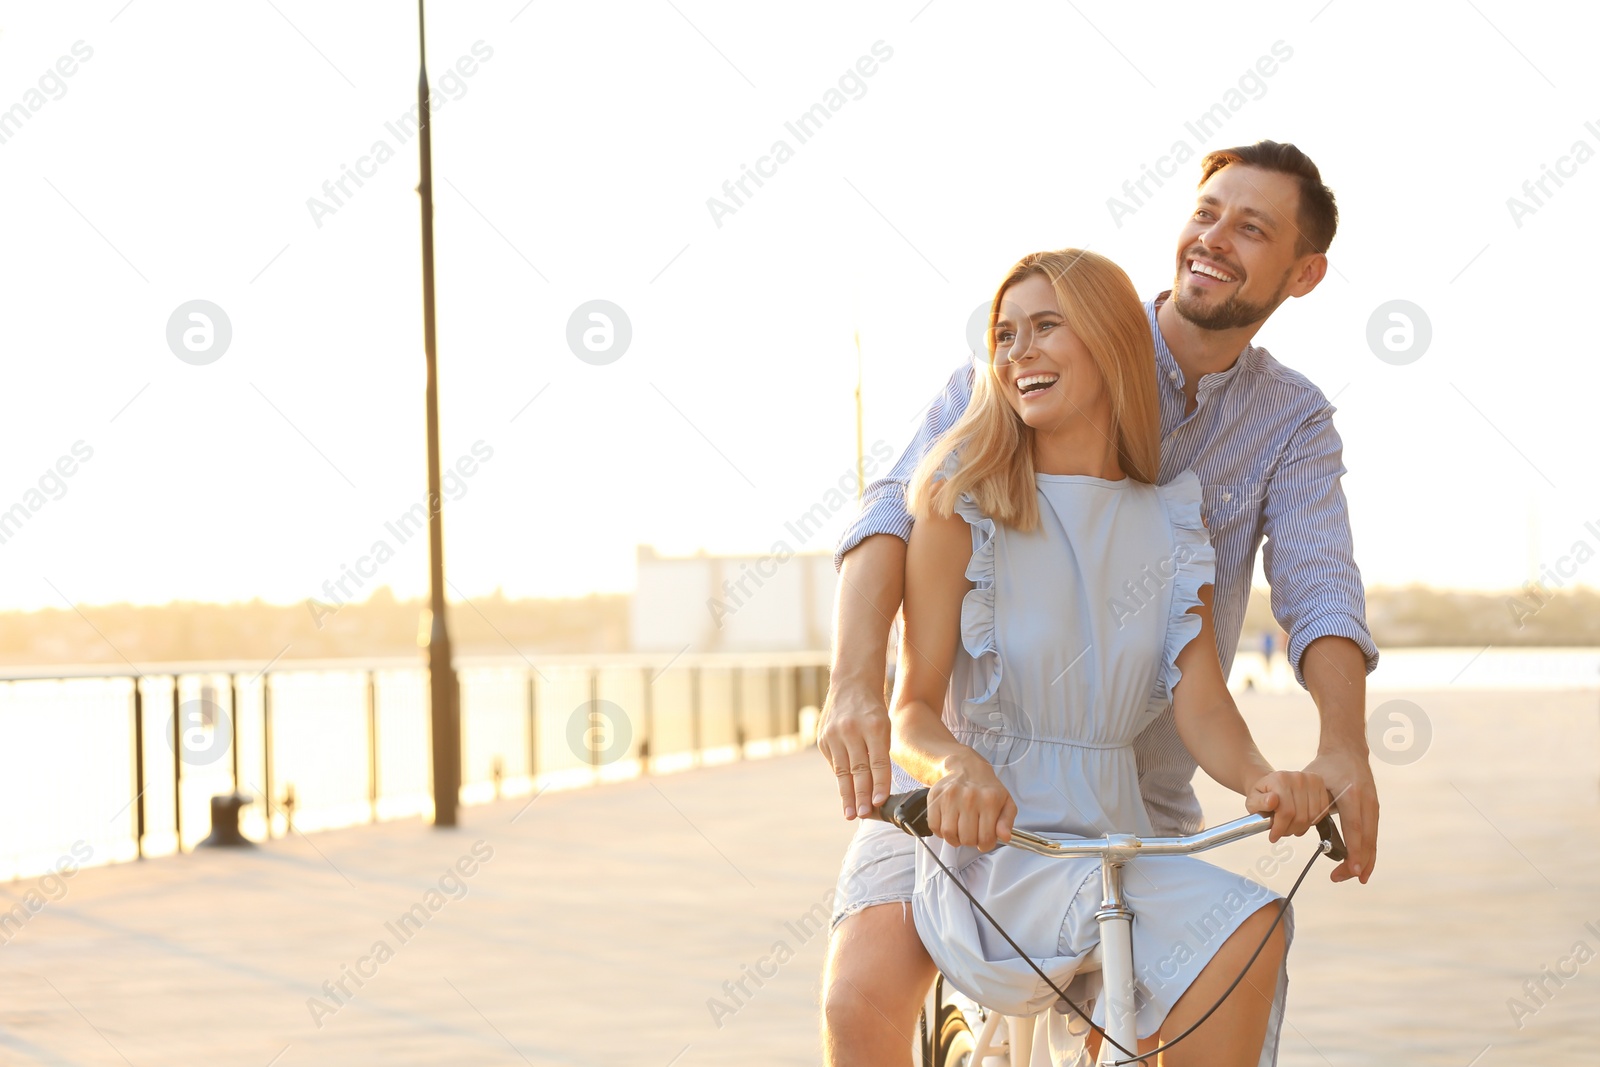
[1261, 440]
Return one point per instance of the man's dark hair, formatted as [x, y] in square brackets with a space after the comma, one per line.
[1319, 215]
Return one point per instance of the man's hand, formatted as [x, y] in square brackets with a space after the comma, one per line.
[854, 739]
[1349, 778]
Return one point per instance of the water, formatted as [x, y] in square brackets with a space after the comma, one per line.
[349, 742]
[1447, 668]
[67, 772]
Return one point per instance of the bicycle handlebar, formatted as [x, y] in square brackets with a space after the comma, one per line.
[909, 811]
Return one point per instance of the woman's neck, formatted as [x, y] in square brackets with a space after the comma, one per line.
[1082, 447]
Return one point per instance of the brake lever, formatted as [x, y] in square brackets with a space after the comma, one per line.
[1332, 842]
[908, 811]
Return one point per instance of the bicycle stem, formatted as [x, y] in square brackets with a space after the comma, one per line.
[1116, 961]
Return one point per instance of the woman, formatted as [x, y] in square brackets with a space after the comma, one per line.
[1056, 601]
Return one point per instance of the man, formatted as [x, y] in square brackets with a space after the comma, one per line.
[1261, 439]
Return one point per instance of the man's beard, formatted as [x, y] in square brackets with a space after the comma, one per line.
[1232, 313]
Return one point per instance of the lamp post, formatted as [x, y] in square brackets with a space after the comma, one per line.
[443, 689]
[861, 463]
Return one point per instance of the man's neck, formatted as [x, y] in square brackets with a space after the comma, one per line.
[1199, 351]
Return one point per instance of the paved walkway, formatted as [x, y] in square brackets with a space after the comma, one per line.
[592, 926]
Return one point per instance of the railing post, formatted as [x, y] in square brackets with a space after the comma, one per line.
[594, 710]
[372, 743]
[266, 748]
[647, 743]
[177, 769]
[797, 700]
[138, 767]
[774, 688]
[694, 715]
[459, 739]
[738, 709]
[233, 726]
[533, 731]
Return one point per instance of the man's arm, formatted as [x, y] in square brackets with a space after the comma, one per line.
[1336, 675]
[1318, 598]
[871, 556]
[854, 737]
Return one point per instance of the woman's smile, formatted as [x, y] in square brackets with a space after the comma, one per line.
[1033, 386]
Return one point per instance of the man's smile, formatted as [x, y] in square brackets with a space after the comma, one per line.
[1209, 272]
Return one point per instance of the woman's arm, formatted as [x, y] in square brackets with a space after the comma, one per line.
[967, 805]
[1216, 735]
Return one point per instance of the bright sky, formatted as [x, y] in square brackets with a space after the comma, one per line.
[573, 161]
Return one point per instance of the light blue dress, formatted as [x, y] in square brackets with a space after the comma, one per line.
[1068, 646]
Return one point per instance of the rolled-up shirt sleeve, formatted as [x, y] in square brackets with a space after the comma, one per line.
[1310, 554]
[883, 505]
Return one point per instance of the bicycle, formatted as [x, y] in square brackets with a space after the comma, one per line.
[946, 1037]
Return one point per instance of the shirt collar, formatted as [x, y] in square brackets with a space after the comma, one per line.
[1167, 365]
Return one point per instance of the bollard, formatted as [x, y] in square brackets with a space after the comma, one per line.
[225, 822]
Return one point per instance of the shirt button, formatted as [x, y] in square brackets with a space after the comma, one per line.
[1226, 497]
[1172, 375]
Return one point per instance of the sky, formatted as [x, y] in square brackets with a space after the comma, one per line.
[580, 154]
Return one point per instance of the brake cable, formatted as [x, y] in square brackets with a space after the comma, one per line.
[1325, 847]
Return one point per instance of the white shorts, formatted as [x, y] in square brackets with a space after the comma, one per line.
[879, 868]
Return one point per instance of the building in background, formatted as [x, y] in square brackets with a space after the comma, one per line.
[767, 603]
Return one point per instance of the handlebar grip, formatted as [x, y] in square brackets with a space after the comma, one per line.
[1330, 836]
[908, 811]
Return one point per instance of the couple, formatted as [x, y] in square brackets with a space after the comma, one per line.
[1087, 507]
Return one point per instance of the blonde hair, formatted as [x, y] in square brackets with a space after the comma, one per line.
[994, 447]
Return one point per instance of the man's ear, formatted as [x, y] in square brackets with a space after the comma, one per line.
[1309, 274]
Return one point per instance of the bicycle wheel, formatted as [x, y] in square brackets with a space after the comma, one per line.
[953, 1042]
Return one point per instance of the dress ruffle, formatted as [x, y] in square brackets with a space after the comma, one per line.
[977, 607]
[1196, 564]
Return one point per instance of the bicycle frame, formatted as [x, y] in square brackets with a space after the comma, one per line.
[1116, 918]
[908, 811]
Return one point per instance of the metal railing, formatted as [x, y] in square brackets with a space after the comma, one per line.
[127, 763]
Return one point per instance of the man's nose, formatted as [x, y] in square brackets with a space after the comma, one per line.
[1213, 238]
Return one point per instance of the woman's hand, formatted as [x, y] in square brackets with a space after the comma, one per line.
[1294, 799]
[968, 805]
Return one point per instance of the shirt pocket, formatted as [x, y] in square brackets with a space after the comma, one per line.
[1227, 507]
